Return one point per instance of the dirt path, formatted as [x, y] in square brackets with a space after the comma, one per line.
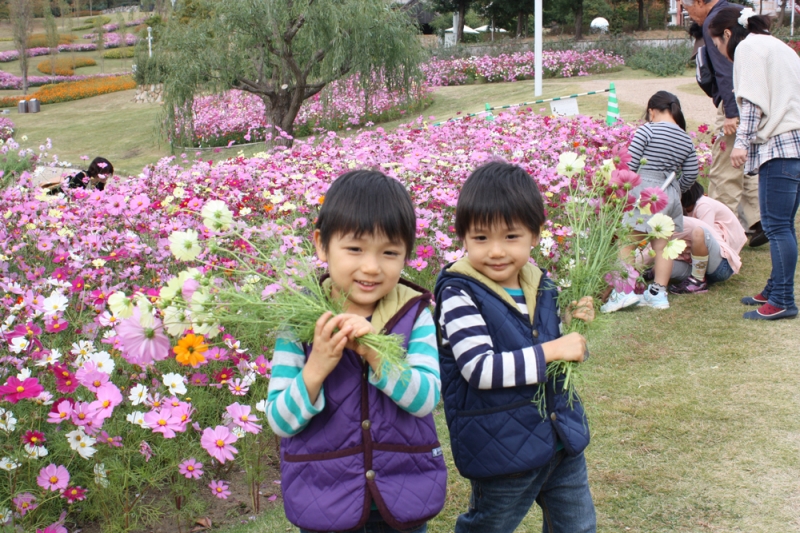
[697, 107]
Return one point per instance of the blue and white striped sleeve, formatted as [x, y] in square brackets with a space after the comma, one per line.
[289, 409]
[465, 330]
[417, 389]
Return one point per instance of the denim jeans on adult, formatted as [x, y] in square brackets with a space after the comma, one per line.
[778, 198]
[377, 525]
[561, 488]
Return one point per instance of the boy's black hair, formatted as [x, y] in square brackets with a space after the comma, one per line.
[95, 168]
[496, 193]
[368, 202]
[690, 197]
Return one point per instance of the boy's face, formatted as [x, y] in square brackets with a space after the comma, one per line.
[500, 252]
[364, 268]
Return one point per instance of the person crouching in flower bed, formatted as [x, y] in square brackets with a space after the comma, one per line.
[360, 451]
[499, 326]
[95, 177]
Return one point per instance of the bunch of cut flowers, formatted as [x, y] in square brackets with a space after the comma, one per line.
[253, 282]
[593, 235]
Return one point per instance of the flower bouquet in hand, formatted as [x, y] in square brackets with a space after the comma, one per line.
[592, 232]
[255, 282]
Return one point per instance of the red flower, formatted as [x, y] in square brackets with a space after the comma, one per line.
[73, 494]
[15, 390]
[224, 375]
[34, 438]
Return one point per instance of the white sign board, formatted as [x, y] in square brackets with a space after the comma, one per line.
[565, 108]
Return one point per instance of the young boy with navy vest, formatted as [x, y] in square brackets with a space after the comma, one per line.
[360, 451]
[499, 326]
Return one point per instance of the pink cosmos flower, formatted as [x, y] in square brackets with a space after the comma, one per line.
[621, 157]
[83, 413]
[219, 489]
[443, 240]
[142, 346]
[623, 281]
[217, 442]
[108, 397]
[654, 198]
[114, 442]
[61, 410]
[92, 379]
[262, 365]
[55, 324]
[424, 251]
[25, 502]
[240, 415]
[146, 450]
[115, 205]
[139, 203]
[624, 181]
[164, 421]
[191, 468]
[53, 477]
[15, 390]
[418, 264]
[237, 387]
[73, 494]
[199, 380]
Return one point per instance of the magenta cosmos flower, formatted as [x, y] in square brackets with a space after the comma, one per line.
[15, 389]
[240, 414]
[219, 489]
[217, 442]
[141, 346]
[73, 494]
[654, 198]
[53, 477]
[191, 468]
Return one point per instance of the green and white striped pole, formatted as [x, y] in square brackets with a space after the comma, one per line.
[612, 115]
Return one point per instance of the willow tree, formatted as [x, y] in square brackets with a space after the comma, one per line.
[283, 51]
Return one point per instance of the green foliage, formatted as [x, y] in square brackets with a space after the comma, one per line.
[288, 56]
[662, 61]
[91, 23]
[12, 165]
[120, 53]
[149, 70]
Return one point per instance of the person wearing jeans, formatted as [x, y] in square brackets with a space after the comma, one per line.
[766, 81]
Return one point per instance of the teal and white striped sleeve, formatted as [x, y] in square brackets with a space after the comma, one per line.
[418, 388]
[289, 409]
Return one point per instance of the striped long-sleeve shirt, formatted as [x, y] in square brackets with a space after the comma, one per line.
[416, 390]
[465, 330]
[667, 148]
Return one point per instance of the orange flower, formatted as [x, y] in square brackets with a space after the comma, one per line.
[189, 350]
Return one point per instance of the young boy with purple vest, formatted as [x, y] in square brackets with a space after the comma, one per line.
[360, 451]
[499, 326]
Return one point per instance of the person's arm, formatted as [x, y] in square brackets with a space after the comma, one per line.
[689, 170]
[289, 409]
[748, 127]
[641, 138]
[465, 330]
[723, 73]
[418, 388]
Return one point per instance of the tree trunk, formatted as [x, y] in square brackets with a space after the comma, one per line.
[462, 12]
[280, 116]
[578, 20]
[641, 15]
[520, 18]
[783, 13]
[23, 66]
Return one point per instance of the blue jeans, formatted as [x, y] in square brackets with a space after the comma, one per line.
[375, 524]
[723, 272]
[778, 199]
[561, 488]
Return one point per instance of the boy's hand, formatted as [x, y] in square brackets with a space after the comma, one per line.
[360, 326]
[583, 309]
[326, 352]
[570, 347]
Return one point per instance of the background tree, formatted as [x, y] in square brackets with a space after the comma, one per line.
[100, 40]
[51, 30]
[458, 6]
[284, 51]
[21, 15]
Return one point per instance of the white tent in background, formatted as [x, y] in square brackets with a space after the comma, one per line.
[486, 28]
[467, 30]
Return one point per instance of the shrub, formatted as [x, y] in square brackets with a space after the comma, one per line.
[662, 61]
[64, 66]
[119, 53]
[147, 70]
[76, 90]
[6, 128]
[39, 40]
[88, 24]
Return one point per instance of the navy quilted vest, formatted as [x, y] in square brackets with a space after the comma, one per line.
[362, 448]
[500, 431]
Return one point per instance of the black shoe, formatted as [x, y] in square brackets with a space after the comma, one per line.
[759, 238]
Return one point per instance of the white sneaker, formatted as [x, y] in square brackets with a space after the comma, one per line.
[619, 300]
[659, 301]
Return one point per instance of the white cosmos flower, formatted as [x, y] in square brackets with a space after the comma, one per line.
[174, 382]
[103, 362]
[7, 421]
[216, 215]
[208, 330]
[50, 359]
[35, 452]
[138, 394]
[121, 306]
[55, 303]
[100, 477]
[5, 515]
[674, 248]
[176, 321]
[18, 344]
[24, 374]
[137, 418]
[661, 226]
[570, 164]
[184, 245]
[76, 437]
[262, 406]
[8, 464]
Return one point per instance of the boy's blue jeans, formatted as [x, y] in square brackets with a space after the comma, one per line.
[779, 198]
[561, 488]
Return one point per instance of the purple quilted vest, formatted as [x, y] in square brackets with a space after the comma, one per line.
[362, 448]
